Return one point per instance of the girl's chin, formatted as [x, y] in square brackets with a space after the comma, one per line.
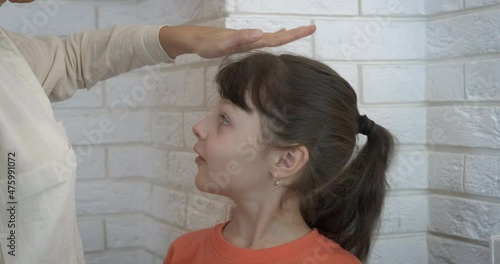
[207, 187]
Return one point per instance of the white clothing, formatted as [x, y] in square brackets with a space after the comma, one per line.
[37, 163]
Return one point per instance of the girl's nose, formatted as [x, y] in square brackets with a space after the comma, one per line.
[200, 130]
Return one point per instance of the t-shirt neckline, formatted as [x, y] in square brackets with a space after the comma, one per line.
[278, 253]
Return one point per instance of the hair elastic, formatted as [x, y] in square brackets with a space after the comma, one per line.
[365, 125]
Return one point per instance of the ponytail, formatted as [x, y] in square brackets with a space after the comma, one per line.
[347, 209]
[369, 188]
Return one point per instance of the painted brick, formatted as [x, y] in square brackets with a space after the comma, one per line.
[470, 34]
[482, 175]
[215, 8]
[125, 231]
[300, 47]
[392, 7]
[401, 83]
[379, 39]
[148, 12]
[154, 88]
[122, 257]
[482, 81]
[408, 250]
[409, 170]
[83, 98]
[187, 59]
[349, 72]
[190, 119]
[101, 197]
[211, 94]
[132, 90]
[184, 88]
[473, 126]
[92, 234]
[445, 82]
[86, 127]
[91, 162]
[159, 236]
[403, 214]
[52, 17]
[137, 161]
[459, 217]
[206, 210]
[480, 3]
[442, 250]
[446, 171]
[167, 129]
[169, 205]
[181, 170]
[174, 12]
[315, 7]
[442, 6]
[159, 260]
[407, 124]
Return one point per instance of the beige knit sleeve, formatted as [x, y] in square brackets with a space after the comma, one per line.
[82, 59]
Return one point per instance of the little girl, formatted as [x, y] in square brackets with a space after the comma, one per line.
[284, 134]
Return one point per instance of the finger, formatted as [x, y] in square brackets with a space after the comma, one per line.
[21, 1]
[241, 38]
[279, 38]
[229, 40]
[245, 36]
[282, 38]
[280, 30]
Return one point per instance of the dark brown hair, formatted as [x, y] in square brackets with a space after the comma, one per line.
[341, 192]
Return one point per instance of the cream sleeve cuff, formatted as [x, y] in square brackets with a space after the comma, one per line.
[152, 48]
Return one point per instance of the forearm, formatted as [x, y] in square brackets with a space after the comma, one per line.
[83, 59]
[174, 40]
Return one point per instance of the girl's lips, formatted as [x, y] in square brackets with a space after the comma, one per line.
[199, 160]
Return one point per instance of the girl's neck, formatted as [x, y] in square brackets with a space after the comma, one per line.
[265, 223]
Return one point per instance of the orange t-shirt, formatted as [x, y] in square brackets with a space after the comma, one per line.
[208, 246]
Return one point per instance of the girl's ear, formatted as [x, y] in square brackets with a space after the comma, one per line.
[290, 161]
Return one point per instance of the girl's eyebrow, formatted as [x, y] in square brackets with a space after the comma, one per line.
[229, 103]
[237, 109]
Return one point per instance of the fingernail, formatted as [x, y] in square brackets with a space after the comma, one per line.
[256, 34]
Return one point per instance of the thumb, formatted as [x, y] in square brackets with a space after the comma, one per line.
[246, 36]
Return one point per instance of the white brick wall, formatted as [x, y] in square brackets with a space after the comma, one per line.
[444, 250]
[402, 83]
[463, 130]
[482, 175]
[482, 80]
[427, 70]
[445, 82]
[465, 34]
[468, 218]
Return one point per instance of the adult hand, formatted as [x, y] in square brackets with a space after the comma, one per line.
[16, 1]
[213, 42]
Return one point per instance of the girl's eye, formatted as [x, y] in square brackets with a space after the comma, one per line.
[224, 120]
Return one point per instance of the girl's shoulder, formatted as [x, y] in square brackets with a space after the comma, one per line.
[191, 247]
[192, 237]
[329, 251]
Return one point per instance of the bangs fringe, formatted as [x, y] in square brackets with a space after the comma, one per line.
[257, 76]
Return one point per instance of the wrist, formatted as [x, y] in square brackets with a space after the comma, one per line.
[176, 40]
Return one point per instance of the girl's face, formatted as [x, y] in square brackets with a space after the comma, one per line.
[231, 160]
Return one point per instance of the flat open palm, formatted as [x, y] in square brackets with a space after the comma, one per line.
[218, 42]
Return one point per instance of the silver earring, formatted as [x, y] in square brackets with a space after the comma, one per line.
[276, 181]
